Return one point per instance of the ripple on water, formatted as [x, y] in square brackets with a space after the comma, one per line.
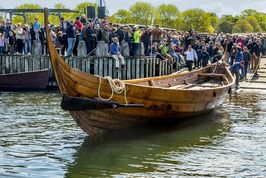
[38, 139]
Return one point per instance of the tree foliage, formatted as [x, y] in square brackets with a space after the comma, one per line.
[122, 16]
[30, 16]
[242, 26]
[168, 15]
[196, 19]
[142, 13]
[225, 26]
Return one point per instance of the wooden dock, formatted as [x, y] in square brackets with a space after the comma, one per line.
[136, 67]
[258, 84]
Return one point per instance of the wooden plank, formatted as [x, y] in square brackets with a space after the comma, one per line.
[7, 68]
[100, 60]
[129, 69]
[212, 75]
[133, 68]
[30, 66]
[142, 68]
[42, 64]
[147, 61]
[96, 66]
[110, 67]
[165, 68]
[115, 73]
[17, 65]
[26, 61]
[3, 65]
[154, 61]
[105, 67]
[83, 64]
[22, 64]
[74, 63]
[124, 72]
[11, 63]
[137, 68]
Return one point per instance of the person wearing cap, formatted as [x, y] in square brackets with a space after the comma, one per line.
[62, 39]
[115, 51]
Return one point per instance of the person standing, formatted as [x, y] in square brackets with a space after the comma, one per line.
[19, 38]
[27, 40]
[204, 57]
[191, 55]
[136, 40]
[36, 28]
[246, 59]
[257, 51]
[71, 38]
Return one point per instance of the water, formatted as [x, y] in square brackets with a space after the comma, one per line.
[38, 139]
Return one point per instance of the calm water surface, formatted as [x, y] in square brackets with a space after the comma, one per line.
[38, 139]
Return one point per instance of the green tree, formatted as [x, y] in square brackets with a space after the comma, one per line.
[169, 15]
[214, 19]
[225, 26]
[29, 16]
[121, 16]
[254, 23]
[242, 26]
[196, 19]
[229, 18]
[142, 13]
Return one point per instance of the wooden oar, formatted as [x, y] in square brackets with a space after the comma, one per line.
[70, 103]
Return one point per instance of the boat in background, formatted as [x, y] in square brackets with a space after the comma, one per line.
[33, 80]
[100, 105]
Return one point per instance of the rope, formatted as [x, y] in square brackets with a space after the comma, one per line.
[117, 86]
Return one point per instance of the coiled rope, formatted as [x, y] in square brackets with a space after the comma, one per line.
[117, 86]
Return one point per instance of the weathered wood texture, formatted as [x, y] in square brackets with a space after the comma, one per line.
[136, 67]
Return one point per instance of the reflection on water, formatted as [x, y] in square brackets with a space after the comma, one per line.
[38, 139]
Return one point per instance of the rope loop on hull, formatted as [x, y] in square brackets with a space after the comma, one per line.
[117, 87]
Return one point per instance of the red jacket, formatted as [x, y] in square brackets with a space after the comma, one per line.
[79, 24]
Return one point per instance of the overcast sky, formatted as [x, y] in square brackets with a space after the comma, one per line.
[221, 7]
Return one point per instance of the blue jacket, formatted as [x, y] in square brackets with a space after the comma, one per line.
[235, 67]
[239, 56]
[114, 48]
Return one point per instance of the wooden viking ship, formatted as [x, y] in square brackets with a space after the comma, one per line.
[137, 102]
[32, 80]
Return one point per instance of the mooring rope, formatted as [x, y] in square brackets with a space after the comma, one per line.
[117, 86]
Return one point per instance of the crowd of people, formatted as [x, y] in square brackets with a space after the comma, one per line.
[190, 49]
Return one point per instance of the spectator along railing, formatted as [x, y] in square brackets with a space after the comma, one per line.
[136, 67]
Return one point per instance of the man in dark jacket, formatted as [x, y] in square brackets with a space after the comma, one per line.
[71, 38]
[92, 38]
[146, 37]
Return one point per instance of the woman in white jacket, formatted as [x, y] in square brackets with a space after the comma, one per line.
[191, 55]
